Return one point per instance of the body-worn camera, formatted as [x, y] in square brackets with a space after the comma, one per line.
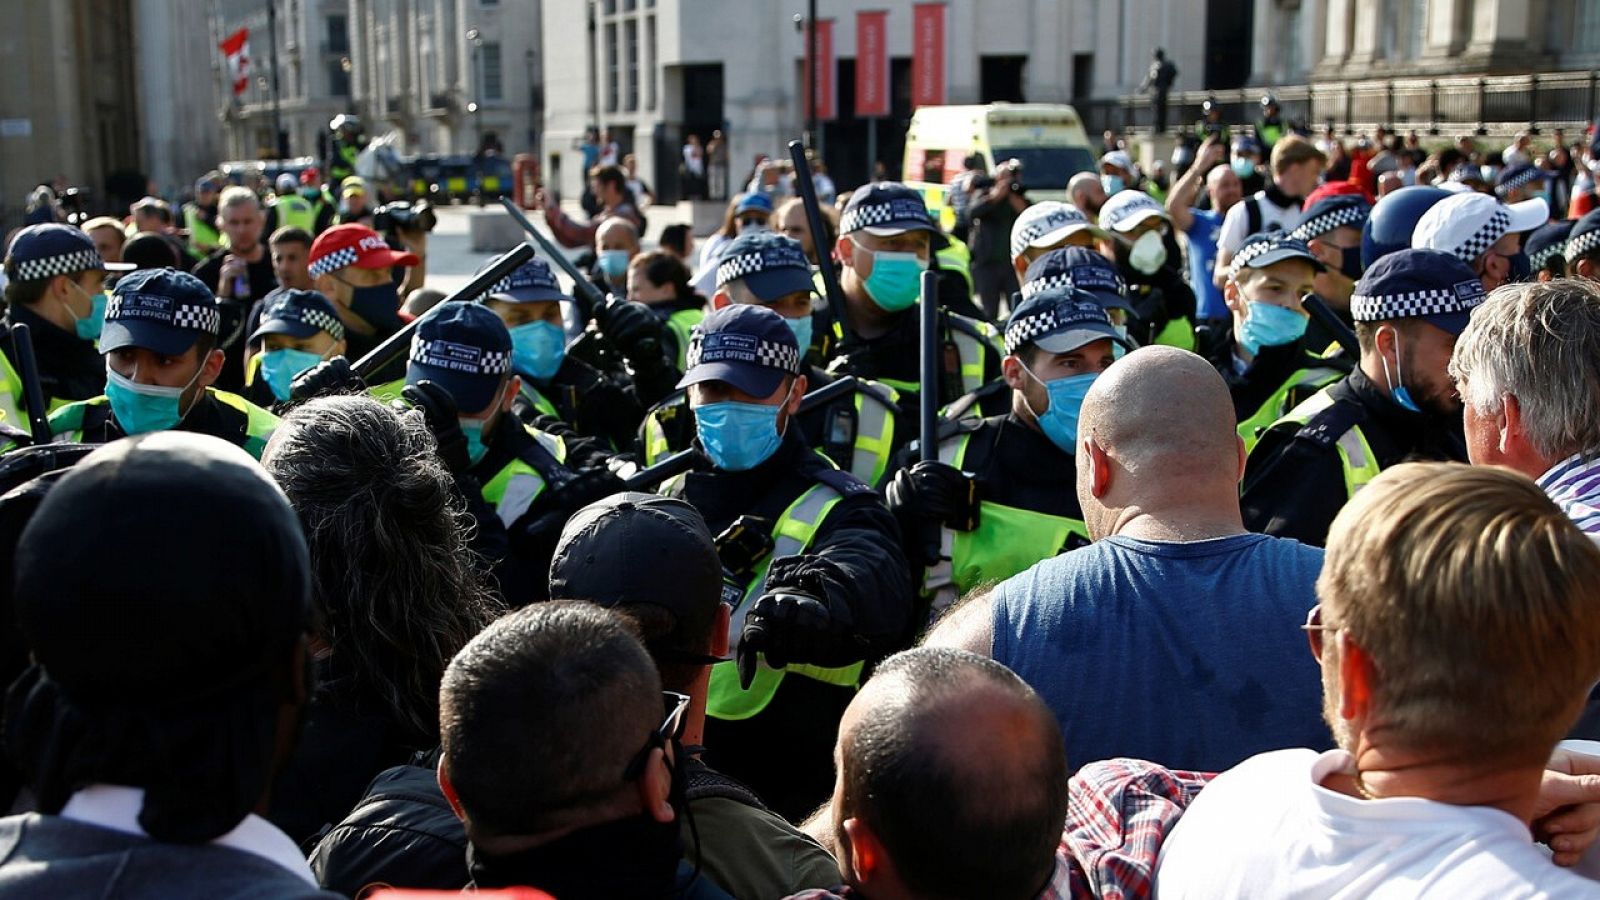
[403, 216]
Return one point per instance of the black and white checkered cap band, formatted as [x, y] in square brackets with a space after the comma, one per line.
[1058, 317]
[726, 347]
[1537, 260]
[1484, 238]
[1441, 301]
[50, 266]
[1534, 173]
[320, 319]
[1317, 226]
[1066, 281]
[867, 215]
[1579, 246]
[1247, 253]
[333, 262]
[458, 357]
[188, 316]
[734, 268]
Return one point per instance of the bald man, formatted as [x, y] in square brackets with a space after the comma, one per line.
[1087, 194]
[1175, 635]
[616, 243]
[949, 737]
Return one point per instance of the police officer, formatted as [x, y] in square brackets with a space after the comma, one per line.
[1398, 404]
[346, 144]
[1270, 127]
[1482, 232]
[815, 572]
[859, 431]
[1139, 239]
[1078, 268]
[1045, 226]
[351, 265]
[1523, 181]
[298, 330]
[1582, 251]
[54, 285]
[1331, 229]
[526, 479]
[1547, 249]
[160, 345]
[1262, 353]
[1002, 494]
[885, 242]
[200, 217]
[287, 208]
[597, 405]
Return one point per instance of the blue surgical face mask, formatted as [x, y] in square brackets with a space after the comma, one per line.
[89, 327]
[1397, 382]
[310, 192]
[143, 408]
[1266, 325]
[1059, 421]
[279, 368]
[537, 349]
[738, 436]
[896, 279]
[614, 263]
[1242, 167]
[802, 331]
[476, 448]
[379, 304]
[1112, 183]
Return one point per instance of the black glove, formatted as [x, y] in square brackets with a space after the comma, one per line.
[936, 492]
[326, 379]
[439, 411]
[794, 621]
[633, 328]
[859, 364]
[586, 486]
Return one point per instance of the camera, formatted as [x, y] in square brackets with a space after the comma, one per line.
[402, 216]
[1013, 167]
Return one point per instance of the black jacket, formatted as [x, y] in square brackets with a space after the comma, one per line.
[1267, 372]
[70, 368]
[236, 310]
[603, 406]
[1294, 482]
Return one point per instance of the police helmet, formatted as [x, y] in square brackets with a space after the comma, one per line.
[1267, 100]
[345, 122]
[1393, 219]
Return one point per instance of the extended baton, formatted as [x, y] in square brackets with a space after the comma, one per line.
[395, 345]
[32, 391]
[1335, 325]
[582, 287]
[830, 278]
[928, 401]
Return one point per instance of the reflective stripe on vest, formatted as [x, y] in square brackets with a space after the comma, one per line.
[955, 257]
[203, 235]
[1277, 405]
[1007, 540]
[681, 324]
[791, 535]
[1360, 464]
[972, 349]
[539, 400]
[513, 489]
[66, 423]
[11, 402]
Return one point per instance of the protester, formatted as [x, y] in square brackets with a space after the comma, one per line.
[150, 737]
[1430, 566]
[610, 186]
[790, 221]
[993, 213]
[678, 239]
[1087, 194]
[1296, 167]
[616, 243]
[350, 264]
[1158, 466]
[108, 236]
[1202, 227]
[557, 758]
[746, 212]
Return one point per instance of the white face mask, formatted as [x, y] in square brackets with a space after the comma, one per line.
[1148, 253]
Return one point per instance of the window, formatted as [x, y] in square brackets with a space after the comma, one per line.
[630, 29]
[1293, 63]
[338, 79]
[613, 68]
[650, 64]
[1586, 28]
[493, 84]
[1419, 27]
[338, 34]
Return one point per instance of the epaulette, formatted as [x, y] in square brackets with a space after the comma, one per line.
[1326, 427]
[842, 482]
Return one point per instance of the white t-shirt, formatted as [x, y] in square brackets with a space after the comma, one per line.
[1267, 828]
[1236, 224]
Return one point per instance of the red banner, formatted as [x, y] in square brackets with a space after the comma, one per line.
[237, 49]
[872, 64]
[927, 54]
[822, 83]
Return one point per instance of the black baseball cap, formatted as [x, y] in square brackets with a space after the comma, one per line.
[1059, 321]
[768, 263]
[884, 209]
[161, 310]
[634, 549]
[465, 349]
[299, 314]
[1077, 268]
[750, 347]
[528, 283]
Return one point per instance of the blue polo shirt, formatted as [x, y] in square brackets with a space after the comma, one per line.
[1203, 233]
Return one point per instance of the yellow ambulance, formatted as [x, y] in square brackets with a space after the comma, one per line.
[1047, 138]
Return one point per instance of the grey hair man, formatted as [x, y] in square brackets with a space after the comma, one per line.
[1528, 371]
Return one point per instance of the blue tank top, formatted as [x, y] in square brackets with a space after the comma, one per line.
[1186, 654]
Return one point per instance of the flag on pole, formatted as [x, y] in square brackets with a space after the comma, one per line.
[237, 49]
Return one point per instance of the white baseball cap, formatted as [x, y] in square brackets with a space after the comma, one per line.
[1118, 158]
[1047, 223]
[1465, 225]
[1127, 208]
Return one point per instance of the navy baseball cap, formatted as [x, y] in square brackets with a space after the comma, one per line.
[753, 202]
[749, 347]
[885, 209]
[1262, 250]
[768, 263]
[1584, 237]
[1330, 212]
[1059, 321]
[161, 310]
[1549, 242]
[1418, 284]
[44, 251]
[465, 349]
[528, 283]
[1077, 268]
[1518, 176]
[299, 314]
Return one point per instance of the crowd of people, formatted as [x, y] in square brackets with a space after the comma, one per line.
[653, 585]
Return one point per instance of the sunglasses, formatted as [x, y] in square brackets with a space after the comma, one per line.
[671, 729]
[1315, 629]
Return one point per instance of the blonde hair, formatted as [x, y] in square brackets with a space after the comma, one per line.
[1292, 149]
[235, 195]
[1477, 600]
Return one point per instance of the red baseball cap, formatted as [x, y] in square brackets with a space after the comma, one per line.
[1326, 189]
[356, 245]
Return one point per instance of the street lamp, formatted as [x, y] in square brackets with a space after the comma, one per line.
[475, 38]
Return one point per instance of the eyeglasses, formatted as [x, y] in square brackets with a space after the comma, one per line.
[671, 729]
[746, 221]
[1315, 629]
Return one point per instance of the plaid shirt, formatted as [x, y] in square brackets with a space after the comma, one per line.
[1118, 812]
